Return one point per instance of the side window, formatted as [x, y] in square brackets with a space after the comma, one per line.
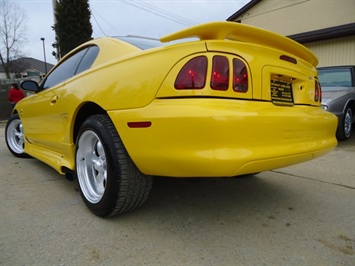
[65, 70]
[88, 59]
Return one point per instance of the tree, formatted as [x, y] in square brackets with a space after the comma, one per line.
[72, 26]
[12, 34]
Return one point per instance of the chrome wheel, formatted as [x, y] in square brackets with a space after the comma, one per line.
[347, 122]
[91, 166]
[15, 136]
[109, 182]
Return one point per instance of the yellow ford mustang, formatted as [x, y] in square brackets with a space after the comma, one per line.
[237, 100]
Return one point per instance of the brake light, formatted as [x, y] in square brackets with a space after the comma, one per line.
[193, 74]
[288, 59]
[317, 91]
[220, 73]
[240, 76]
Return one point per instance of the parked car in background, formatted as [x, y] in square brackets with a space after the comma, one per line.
[237, 100]
[338, 87]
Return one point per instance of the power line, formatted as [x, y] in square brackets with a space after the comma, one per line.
[101, 17]
[148, 8]
[159, 12]
[98, 23]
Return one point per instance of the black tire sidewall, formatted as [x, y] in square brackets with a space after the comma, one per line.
[108, 201]
[341, 128]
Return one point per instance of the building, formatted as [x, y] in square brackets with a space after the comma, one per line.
[26, 68]
[327, 27]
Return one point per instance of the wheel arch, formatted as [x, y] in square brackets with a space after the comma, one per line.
[15, 112]
[85, 111]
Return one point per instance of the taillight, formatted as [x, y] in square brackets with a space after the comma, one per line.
[193, 74]
[240, 76]
[220, 73]
[317, 91]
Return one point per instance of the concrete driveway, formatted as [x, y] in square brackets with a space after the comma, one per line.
[299, 215]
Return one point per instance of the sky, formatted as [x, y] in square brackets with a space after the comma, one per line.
[149, 18]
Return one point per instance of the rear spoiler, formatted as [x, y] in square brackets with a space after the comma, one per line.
[243, 33]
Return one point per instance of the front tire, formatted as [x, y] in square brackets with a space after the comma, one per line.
[15, 137]
[109, 181]
[345, 126]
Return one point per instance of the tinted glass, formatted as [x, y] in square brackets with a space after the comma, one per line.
[334, 78]
[65, 70]
[141, 43]
[88, 59]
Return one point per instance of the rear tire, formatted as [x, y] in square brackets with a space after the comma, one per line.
[15, 137]
[345, 125]
[109, 181]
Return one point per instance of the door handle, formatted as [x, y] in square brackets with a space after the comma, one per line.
[54, 99]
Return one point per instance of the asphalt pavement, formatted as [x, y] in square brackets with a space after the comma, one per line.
[298, 215]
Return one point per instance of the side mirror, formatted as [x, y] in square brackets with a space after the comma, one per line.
[30, 85]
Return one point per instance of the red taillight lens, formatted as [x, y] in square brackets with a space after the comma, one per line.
[317, 91]
[240, 76]
[139, 124]
[193, 74]
[220, 73]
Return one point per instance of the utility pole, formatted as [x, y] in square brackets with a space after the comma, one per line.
[44, 55]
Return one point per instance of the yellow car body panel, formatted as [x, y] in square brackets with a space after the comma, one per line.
[244, 33]
[217, 137]
[193, 133]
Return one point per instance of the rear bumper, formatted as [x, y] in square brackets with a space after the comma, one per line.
[219, 137]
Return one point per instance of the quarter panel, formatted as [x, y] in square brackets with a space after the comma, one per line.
[132, 82]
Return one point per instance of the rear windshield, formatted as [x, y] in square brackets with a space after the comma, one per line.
[141, 42]
[335, 77]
